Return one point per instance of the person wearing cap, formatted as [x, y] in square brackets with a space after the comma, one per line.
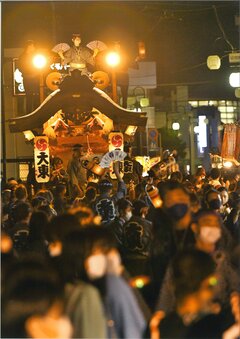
[77, 173]
[78, 56]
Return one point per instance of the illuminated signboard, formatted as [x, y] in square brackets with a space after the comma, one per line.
[18, 81]
[18, 87]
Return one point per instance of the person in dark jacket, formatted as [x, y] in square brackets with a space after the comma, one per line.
[195, 315]
[124, 215]
[37, 234]
[60, 202]
[207, 230]
[105, 204]
[137, 238]
[20, 216]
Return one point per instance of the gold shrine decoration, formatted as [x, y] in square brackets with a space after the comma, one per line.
[52, 80]
[41, 159]
[101, 79]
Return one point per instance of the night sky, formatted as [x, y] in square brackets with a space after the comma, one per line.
[178, 35]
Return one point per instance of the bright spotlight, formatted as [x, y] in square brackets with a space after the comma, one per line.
[176, 126]
[234, 79]
[113, 59]
[39, 61]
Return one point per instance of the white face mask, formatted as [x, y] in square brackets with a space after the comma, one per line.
[114, 263]
[210, 235]
[96, 266]
[128, 215]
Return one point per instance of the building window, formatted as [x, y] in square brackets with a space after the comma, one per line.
[229, 110]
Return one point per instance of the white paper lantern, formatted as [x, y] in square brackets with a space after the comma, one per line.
[234, 79]
[213, 62]
[144, 102]
[237, 92]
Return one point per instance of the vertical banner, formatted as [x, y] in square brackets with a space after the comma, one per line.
[237, 148]
[229, 141]
[153, 136]
[41, 159]
[116, 141]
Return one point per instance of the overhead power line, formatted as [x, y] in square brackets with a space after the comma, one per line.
[221, 28]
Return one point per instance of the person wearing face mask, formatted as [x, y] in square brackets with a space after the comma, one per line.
[32, 302]
[94, 261]
[136, 241]
[171, 231]
[214, 203]
[207, 231]
[195, 315]
[213, 200]
[124, 207]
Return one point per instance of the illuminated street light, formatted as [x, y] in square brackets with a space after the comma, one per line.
[176, 126]
[113, 60]
[39, 61]
[234, 79]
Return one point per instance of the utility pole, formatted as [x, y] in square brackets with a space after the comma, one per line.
[191, 142]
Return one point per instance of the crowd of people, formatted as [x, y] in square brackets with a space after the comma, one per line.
[102, 260]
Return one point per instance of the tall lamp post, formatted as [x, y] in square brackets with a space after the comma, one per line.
[40, 61]
[113, 60]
